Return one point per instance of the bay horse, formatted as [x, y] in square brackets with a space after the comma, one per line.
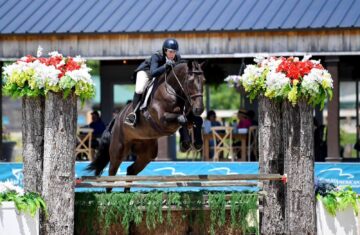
[176, 92]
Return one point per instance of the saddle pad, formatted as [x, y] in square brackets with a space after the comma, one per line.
[149, 89]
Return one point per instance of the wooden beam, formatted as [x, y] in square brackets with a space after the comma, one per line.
[208, 44]
[175, 178]
[166, 184]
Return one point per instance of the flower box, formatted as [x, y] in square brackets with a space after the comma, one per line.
[344, 222]
[14, 222]
[19, 210]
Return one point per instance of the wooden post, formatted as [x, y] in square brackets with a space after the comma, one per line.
[59, 163]
[106, 90]
[33, 142]
[297, 129]
[271, 162]
[333, 117]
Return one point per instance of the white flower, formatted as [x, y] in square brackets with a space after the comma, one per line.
[315, 61]
[275, 83]
[7, 186]
[273, 63]
[62, 62]
[39, 51]
[322, 77]
[232, 80]
[251, 74]
[54, 54]
[78, 59]
[310, 85]
[317, 78]
[81, 74]
[259, 59]
[306, 57]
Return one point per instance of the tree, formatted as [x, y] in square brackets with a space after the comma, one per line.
[59, 162]
[298, 142]
[271, 162]
[33, 142]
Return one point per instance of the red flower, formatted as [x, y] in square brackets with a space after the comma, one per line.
[28, 59]
[71, 64]
[295, 70]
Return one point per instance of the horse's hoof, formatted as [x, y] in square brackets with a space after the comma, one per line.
[185, 146]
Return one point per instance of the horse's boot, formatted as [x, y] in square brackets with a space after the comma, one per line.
[185, 140]
[198, 142]
[182, 120]
[131, 118]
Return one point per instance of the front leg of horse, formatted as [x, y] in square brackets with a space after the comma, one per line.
[175, 117]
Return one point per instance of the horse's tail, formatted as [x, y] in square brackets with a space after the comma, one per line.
[102, 157]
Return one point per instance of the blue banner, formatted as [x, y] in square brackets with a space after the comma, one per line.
[340, 174]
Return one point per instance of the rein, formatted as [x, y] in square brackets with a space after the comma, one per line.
[187, 98]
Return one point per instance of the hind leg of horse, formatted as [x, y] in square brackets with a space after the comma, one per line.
[144, 157]
[117, 153]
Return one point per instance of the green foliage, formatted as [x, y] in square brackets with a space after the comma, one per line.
[224, 98]
[128, 208]
[153, 204]
[244, 208]
[27, 203]
[173, 200]
[217, 205]
[339, 200]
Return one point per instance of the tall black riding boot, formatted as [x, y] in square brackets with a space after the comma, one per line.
[131, 117]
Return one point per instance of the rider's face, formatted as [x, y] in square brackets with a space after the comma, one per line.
[170, 54]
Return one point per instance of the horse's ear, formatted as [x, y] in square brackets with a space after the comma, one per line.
[190, 65]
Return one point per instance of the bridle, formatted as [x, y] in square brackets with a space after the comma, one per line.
[188, 98]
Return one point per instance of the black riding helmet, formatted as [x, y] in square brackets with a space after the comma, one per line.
[170, 44]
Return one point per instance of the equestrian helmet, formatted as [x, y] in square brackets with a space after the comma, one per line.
[170, 44]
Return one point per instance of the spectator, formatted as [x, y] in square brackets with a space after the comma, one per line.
[208, 123]
[244, 120]
[251, 115]
[97, 124]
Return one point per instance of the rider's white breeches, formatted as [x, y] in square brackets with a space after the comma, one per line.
[142, 81]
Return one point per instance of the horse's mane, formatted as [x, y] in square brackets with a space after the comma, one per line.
[168, 72]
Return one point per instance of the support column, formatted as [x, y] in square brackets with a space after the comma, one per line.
[333, 117]
[107, 92]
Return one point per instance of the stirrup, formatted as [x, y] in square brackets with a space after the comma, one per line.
[130, 119]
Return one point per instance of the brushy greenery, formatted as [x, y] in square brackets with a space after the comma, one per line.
[128, 208]
[27, 203]
[339, 200]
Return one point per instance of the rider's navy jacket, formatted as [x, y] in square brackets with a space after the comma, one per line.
[155, 66]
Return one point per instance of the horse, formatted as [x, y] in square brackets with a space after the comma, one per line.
[176, 93]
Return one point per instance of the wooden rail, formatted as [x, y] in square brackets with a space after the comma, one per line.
[174, 178]
[176, 181]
